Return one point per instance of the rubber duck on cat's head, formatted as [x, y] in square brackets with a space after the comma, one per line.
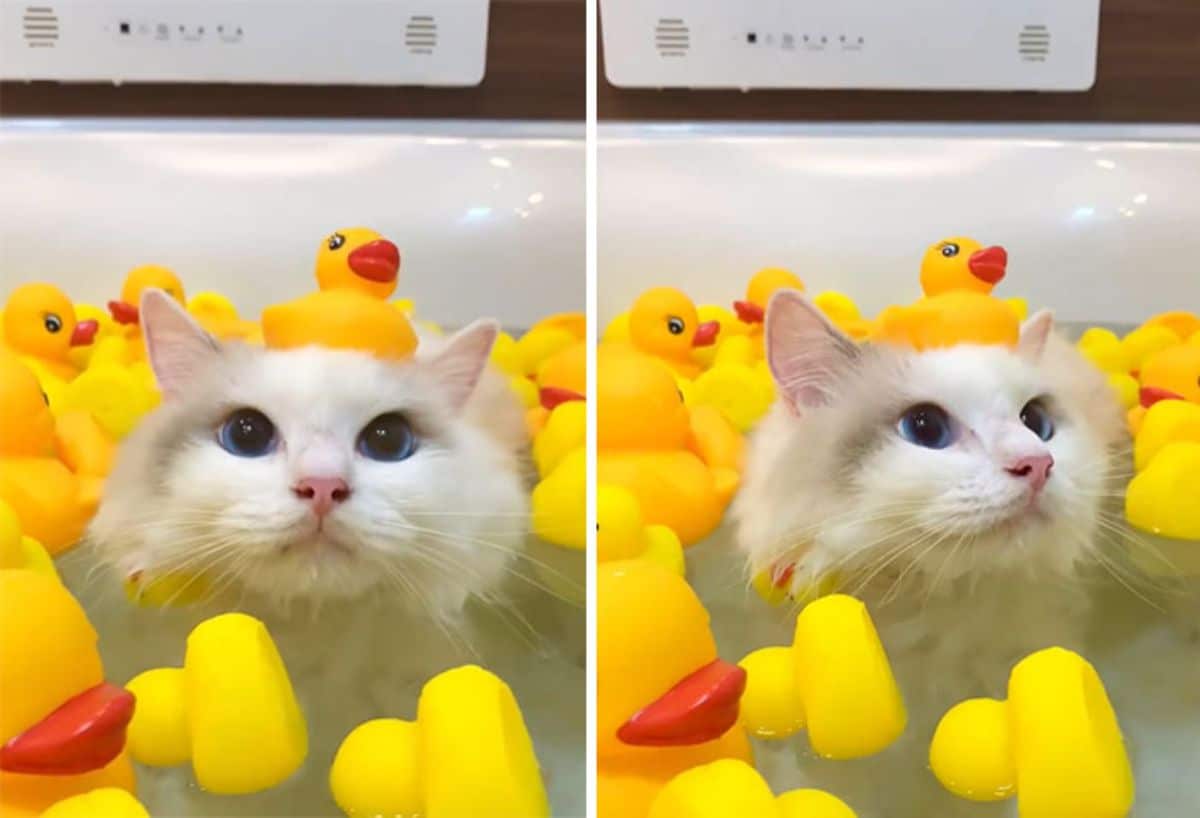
[137, 281]
[961, 263]
[358, 258]
[40, 325]
[664, 323]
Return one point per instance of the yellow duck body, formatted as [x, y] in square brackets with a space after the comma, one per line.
[359, 259]
[962, 263]
[48, 658]
[680, 465]
[954, 317]
[655, 655]
[340, 319]
[40, 325]
[622, 534]
[664, 324]
[730, 787]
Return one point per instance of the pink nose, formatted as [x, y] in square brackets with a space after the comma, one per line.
[322, 493]
[1035, 468]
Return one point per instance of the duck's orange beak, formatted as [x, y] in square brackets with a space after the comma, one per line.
[83, 735]
[1150, 395]
[123, 312]
[706, 334]
[700, 708]
[552, 396]
[748, 312]
[988, 264]
[84, 332]
[378, 260]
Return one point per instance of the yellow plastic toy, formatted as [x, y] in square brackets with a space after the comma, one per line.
[106, 330]
[741, 391]
[230, 710]
[1145, 341]
[37, 458]
[564, 431]
[561, 378]
[1167, 421]
[217, 315]
[730, 787]
[1161, 499]
[835, 679]
[962, 264]
[844, 314]
[1171, 374]
[116, 396]
[19, 552]
[468, 754]
[358, 259]
[106, 802]
[1103, 348]
[762, 285]
[730, 326]
[664, 324]
[954, 317]
[622, 534]
[1055, 743]
[340, 319]
[548, 337]
[558, 504]
[62, 727]
[679, 470]
[665, 701]
[40, 325]
[1126, 388]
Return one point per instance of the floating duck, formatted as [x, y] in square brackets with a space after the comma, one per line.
[730, 326]
[467, 754]
[359, 259]
[40, 325]
[565, 430]
[1184, 324]
[961, 263]
[844, 314]
[835, 678]
[1103, 348]
[137, 281]
[116, 396]
[762, 285]
[547, 338]
[1166, 422]
[955, 317]
[682, 472]
[664, 324]
[1143, 343]
[1171, 374]
[50, 473]
[665, 701]
[107, 332]
[19, 552]
[558, 503]
[561, 378]
[732, 787]
[340, 319]
[106, 802]
[1055, 743]
[1161, 499]
[62, 727]
[735, 384]
[230, 710]
[217, 315]
[622, 533]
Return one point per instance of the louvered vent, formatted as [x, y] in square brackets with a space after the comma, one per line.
[1034, 43]
[41, 26]
[671, 37]
[420, 35]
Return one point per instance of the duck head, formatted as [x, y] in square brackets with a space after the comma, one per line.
[961, 263]
[358, 258]
[40, 321]
[138, 280]
[664, 323]
[762, 286]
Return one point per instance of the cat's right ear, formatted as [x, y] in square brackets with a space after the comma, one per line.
[178, 348]
[804, 351]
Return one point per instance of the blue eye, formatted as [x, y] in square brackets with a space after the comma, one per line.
[1037, 419]
[927, 425]
[247, 433]
[388, 437]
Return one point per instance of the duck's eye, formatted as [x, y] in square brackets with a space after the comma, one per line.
[388, 437]
[46, 398]
[52, 322]
[247, 433]
[675, 325]
[336, 241]
[927, 425]
[1037, 419]
[950, 250]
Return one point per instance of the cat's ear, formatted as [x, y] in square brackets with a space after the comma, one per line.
[459, 363]
[804, 351]
[178, 349]
[1034, 334]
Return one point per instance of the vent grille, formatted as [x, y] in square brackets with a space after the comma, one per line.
[671, 37]
[1033, 43]
[41, 26]
[420, 35]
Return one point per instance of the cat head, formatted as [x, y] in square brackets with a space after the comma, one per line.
[312, 472]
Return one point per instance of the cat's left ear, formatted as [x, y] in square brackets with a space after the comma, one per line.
[459, 363]
[1034, 334]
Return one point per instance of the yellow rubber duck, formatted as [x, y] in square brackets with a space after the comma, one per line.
[219, 317]
[1102, 347]
[107, 332]
[558, 503]
[18, 551]
[955, 317]
[149, 276]
[1161, 499]
[622, 533]
[1182, 323]
[561, 378]
[730, 787]
[665, 701]
[50, 473]
[961, 263]
[565, 430]
[844, 314]
[467, 754]
[62, 727]
[681, 465]
[664, 324]
[762, 285]
[1055, 743]
[735, 384]
[106, 802]
[548, 337]
[40, 325]
[340, 319]
[731, 328]
[1143, 343]
[359, 259]
[835, 679]
[1171, 374]
[230, 710]
[1166, 421]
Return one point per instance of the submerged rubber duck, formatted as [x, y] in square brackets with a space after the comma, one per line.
[467, 754]
[961, 263]
[622, 533]
[360, 259]
[40, 325]
[62, 727]
[664, 324]
[732, 787]
[681, 465]
[666, 702]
